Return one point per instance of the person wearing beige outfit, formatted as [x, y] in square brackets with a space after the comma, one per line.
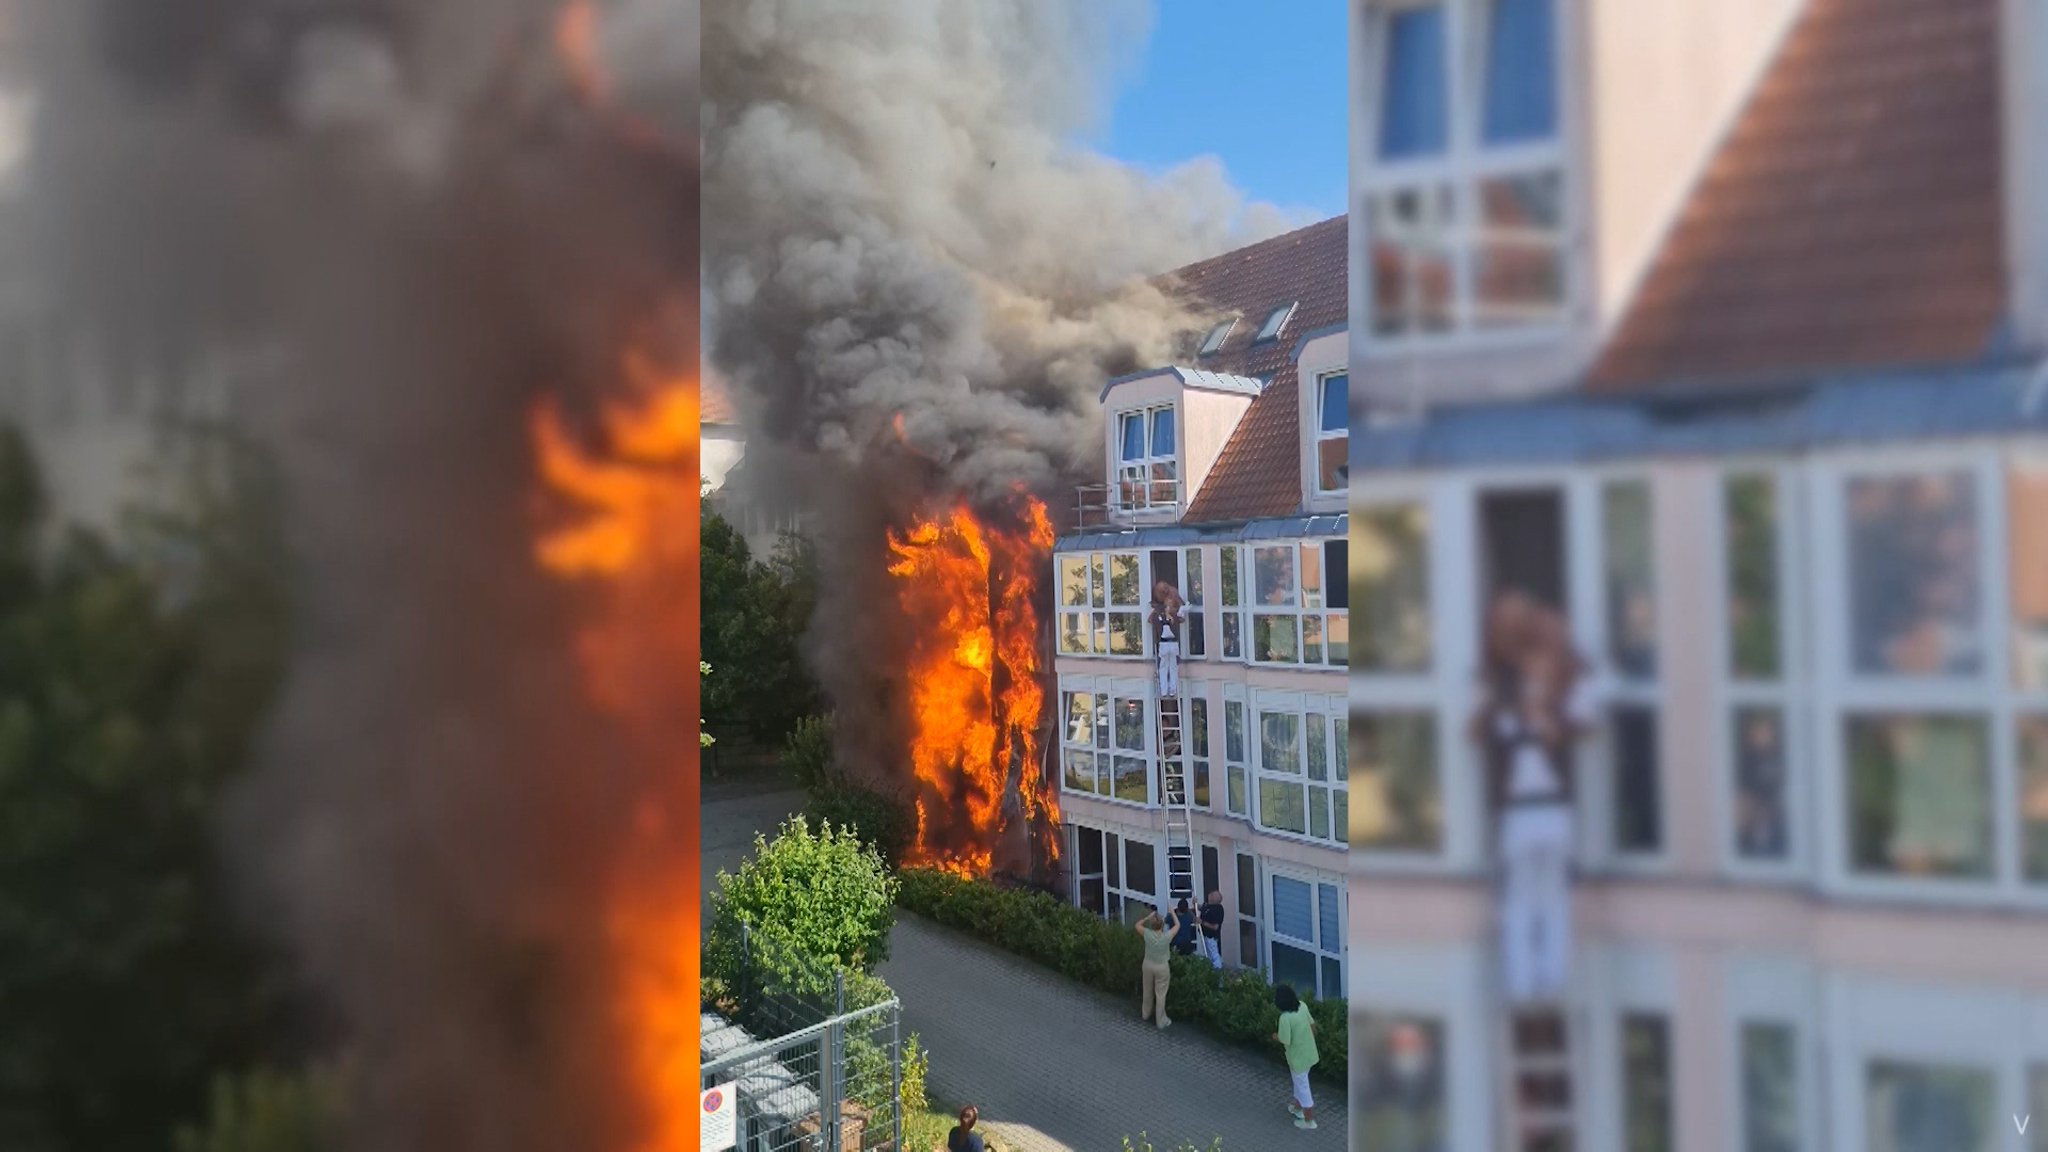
[1158, 946]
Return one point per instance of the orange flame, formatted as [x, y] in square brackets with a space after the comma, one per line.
[976, 697]
[634, 546]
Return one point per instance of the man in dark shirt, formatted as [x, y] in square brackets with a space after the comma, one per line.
[963, 1137]
[1184, 940]
[1212, 929]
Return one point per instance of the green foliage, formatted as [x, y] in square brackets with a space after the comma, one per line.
[1234, 1004]
[807, 752]
[917, 1065]
[704, 739]
[268, 1111]
[132, 681]
[882, 821]
[754, 615]
[1143, 1143]
[824, 897]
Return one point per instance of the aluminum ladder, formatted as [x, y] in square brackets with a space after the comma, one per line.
[1174, 796]
[1536, 1049]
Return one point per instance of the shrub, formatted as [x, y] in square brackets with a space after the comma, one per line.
[876, 819]
[269, 1111]
[807, 752]
[821, 898]
[1235, 1004]
[917, 1064]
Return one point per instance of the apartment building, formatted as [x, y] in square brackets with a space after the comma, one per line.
[1720, 327]
[1226, 475]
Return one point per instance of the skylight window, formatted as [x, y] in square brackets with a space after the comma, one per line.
[1274, 323]
[1216, 336]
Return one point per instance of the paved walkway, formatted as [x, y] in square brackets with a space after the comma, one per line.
[1055, 1066]
[1052, 1065]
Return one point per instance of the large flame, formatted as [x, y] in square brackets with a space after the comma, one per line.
[968, 589]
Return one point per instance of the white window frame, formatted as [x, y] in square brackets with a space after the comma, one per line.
[1234, 696]
[1111, 692]
[1465, 163]
[1253, 610]
[1623, 980]
[1126, 895]
[1453, 988]
[1203, 722]
[1586, 575]
[1789, 693]
[1127, 476]
[1099, 608]
[1278, 870]
[1301, 706]
[1782, 991]
[1319, 436]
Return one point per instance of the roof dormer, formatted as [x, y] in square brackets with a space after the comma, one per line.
[1162, 432]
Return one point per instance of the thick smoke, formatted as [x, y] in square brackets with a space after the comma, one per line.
[417, 216]
[901, 230]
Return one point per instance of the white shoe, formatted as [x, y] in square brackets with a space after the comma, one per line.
[1304, 1124]
[1294, 1110]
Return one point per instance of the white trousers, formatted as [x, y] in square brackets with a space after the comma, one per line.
[1169, 668]
[1211, 949]
[1536, 908]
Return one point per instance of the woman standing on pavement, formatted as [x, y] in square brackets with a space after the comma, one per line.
[1155, 970]
[1297, 1037]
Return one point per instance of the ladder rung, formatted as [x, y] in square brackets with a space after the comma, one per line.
[1547, 1120]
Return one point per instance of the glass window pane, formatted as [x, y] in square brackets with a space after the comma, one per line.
[2026, 514]
[1399, 1079]
[1233, 635]
[1126, 634]
[1638, 787]
[1130, 725]
[1631, 578]
[1280, 743]
[1193, 572]
[1400, 797]
[1162, 432]
[1140, 866]
[1233, 731]
[1519, 274]
[1133, 436]
[1944, 1107]
[1234, 794]
[1342, 747]
[1337, 572]
[2037, 1105]
[1751, 530]
[1333, 464]
[1312, 639]
[1293, 911]
[1413, 284]
[1645, 1082]
[1340, 816]
[1318, 747]
[2033, 805]
[1080, 718]
[1098, 584]
[1102, 710]
[1123, 580]
[1131, 780]
[1294, 967]
[1276, 639]
[1391, 577]
[1074, 581]
[1312, 575]
[1201, 793]
[1336, 407]
[1770, 1088]
[1074, 633]
[1414, 100]
[1090, 863]
[1914, 579]
[1763, 823]
[1521, 73]
[1327, 914]
[1228, 555]
[1282, 805]
[1337, 640]
[1273, 570]
[1080, 773]
[1919, 796]
[1198, 725]
[1319, 813]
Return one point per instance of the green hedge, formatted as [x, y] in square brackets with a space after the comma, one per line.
[1234, 1004]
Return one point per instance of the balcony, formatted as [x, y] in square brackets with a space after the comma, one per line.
[1131, 502]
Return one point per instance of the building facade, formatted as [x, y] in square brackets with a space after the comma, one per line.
[1226, 476]
[1719, 328]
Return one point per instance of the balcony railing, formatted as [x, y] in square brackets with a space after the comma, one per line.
[1127, 503]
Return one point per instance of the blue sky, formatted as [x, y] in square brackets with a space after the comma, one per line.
[1261, 86]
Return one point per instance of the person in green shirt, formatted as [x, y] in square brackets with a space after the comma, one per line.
[1297, 1036]
[1158, 943]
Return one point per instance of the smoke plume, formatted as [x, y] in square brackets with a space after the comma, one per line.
[918, 283]
[416, 218]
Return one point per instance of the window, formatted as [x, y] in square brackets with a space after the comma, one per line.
[1392, 580]
[1763, 822]
[1645, 1082]
[1750, 524]
[1465, 204]
[2026, 513]
[1217, 335]
[1198, 747]
[1115, 877]
[1101, 604]
[1148, 460]
[1303, 767]
[1236, 775]
[1400, 792]
[1194, 636]
[1759, 758]
[1103, 746]
[1305, 937]
[1333, 435]
[1629, 578]
[1770, 1088]
[1915, 581]
[2037, 1105]
[2033, 800]
[1398, 1083]
[1300, 603]
[1275, 321]
[1248, 953]
[1919, 795]
[1638, 803]
[1913, 1106]
[1233, 603]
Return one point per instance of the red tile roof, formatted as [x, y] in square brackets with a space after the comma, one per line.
[1259, 472]
[714, 397]
[1852, 218]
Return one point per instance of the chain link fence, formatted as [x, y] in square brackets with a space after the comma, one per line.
[812, 1052]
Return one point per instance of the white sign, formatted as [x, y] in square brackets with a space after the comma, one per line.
[720, 1113]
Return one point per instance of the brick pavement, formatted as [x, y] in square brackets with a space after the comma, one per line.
[1055, 1066]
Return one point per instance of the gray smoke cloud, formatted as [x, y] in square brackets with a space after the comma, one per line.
[900, 228]
[408, 210]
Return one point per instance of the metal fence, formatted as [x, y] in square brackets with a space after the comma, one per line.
[812, 1052]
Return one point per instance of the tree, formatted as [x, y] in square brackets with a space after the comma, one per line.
[754, 617]
[704, 739]
[825, 897]
[269, 1111]
[128, 701]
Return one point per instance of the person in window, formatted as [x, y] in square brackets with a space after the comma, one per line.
[1297, 1038]
[1166, 625]
[963, 1137]
[1185, 936]
[1155, 970]
[1212, 929]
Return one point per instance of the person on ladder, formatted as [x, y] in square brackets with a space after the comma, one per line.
[1538, 701]
[1166, 621]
